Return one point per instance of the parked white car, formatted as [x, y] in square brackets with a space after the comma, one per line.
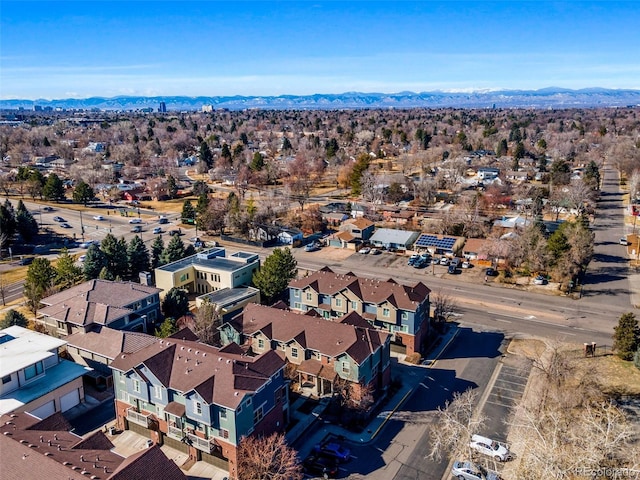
[98, 217]
[135, 220]
[499, 451]
[471, 471]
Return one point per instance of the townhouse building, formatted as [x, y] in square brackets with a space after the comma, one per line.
[322, 351]
[208, 271]
[96, 303]
[34, 377]
[33, 449]
[400, 310]
[200, 399]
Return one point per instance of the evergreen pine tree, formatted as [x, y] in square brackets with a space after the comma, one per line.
[276, 272]
[138, 256]
[157, 247]
[94, 262]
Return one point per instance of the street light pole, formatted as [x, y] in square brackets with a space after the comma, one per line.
[81, 226]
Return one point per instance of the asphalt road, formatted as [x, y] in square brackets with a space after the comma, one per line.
[401, 450]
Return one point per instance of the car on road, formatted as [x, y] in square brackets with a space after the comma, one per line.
[98, 217]
[491, 272]
[540, 280]
[47, 209]
[364, 251]
[319, 465]
[177, 232]
[135, 220]
[58, 219]
[624, 241]
[312, 247]
[137, 229]
[157, 230]
[333, 450]
[163, 220]
[486, 446]
[88, 243]
[65, 225]
[471, 471]
[25, 261]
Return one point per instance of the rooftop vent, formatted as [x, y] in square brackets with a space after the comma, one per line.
[47, 454]
[65, 463]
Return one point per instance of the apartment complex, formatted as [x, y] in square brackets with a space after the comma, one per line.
[323, 351]
[97, 303]
[200, 399]
[34, 377]
[400, 310]
[208, 271]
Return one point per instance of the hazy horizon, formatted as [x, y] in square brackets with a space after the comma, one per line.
[74, 49]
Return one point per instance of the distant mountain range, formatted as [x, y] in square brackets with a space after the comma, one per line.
[545, 98]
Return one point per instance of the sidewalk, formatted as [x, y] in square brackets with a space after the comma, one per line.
[410, 380]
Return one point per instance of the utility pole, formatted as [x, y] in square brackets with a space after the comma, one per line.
[81, 226]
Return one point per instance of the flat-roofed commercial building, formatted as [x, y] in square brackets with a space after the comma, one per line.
[208, 271]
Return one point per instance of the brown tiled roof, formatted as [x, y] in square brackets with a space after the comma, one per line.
[148, 464]
[117, 294]
[109, 343]
[314, 367]
[359, 222]
[185, 366]
[32, 451]
[474, 245]
[175, 408]
[329, 338]
[367, 290]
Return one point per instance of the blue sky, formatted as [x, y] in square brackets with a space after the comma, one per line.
[88, 48]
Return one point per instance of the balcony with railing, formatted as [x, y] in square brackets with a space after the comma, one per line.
[143, 419]
[201, 443]
[175, 432]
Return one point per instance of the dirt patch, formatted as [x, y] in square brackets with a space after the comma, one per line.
[529, 348]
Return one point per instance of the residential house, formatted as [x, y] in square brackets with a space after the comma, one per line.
[290, 236]
[97, 303]
[393, 238]
[475, 249]
[439, 244]
[34, 449]
[34, 377]
[334, 219]
[488, 173]
[398, 216]
[401, 310]
[199, 399]
[208, 271]
[358, 210]
[323, 351]
[352, 233]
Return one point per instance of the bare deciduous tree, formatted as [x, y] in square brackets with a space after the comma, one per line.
[454, 426]
[267, 457]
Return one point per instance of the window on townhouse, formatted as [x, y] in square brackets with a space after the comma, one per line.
[224, 433]
[257, 415]
[405, 316]
[346, 368]
[260, 343]
[309, 296]
[197, 407]
[136, 385]
[354, 305]
[385, 312]
[294, 352]
[6, 379]
[60, 325]
[296, 305]
[296, 293]
[338, 302]
[157, 391]
[223, 414]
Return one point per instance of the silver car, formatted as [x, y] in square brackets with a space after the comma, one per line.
[471, 471]
[499, 451]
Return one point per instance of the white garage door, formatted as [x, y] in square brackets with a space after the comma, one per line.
[45, 410]
[69, 400]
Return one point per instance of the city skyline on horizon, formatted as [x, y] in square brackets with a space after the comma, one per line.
[71, 49]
